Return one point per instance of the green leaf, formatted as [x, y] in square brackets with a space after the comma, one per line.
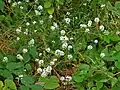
[24, 88]
[51, 85]
[26, 57]
[28, 67]
[1, 85]
[27, 80]
[60, 2]
[117, 64]
[47, 4]
[50, 10]
[90, 84]
[1, 5]
[78, 79]
[99, 85]
[54, 79]
[10, 84]
[117, 4]
[7, 74]
[12, 66]
[116, 56]
[33, 52]
[36, 87]
[43, 79]
[114, 81]
[84, 67]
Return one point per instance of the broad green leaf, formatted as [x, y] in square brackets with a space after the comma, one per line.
[7, 74]
[78, 79]
[51, 85]
[10, 84]
[27, 80]
[117, 4]
[33, 52]
[50, 10]
[54, 79]
[90, 84]
[84, 66]
[47, 4]
[36, 87]
[28, 67]
[43, 79]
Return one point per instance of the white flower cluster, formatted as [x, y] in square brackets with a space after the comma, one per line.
[38, 10]
[31, 42]
[54, 26]
[20, 57]
[59, 53]
[44, 72]
[67, 78]
[18, 30]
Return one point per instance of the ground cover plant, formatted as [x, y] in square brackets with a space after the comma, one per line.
[59, 45]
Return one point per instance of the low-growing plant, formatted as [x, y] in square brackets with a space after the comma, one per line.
[59, 45]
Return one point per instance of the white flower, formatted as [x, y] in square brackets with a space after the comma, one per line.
[53, 41]
[64, 45]
[39, 70]
[20, 76]
[49, 69]
[44, 74]
[68, 13]
[69, 47]
[106, 32]
[18, 38]
[52, 28]
[68, 78]
[102, 55]
[27, 0]
[67, 20]
[71, 38]
[34, 22]
[87, 30]
[83, 25]
[37, 12]
[62, 78]
[9, 1]
[26, 32]
[118, 33]
[14, 4]
[19, 2]
[70, 56]
[58, 52]
[89, 23]
[64, 38]
[97, 20]
[40, 7]
[41, 21]
[90, 47]
[52, 63]
[96, 41]
[35, 31]
[37, 60]
[18, 31]
[24, 50]
[54, 60]
[103, 5]
[40, 54]
[62, 32]
[27, 23]
[62, 53]
[48, 49]
[76, 17]
[19, 57]
[21, 7]
[41, 62]
[5, 59]
[31, 42]
[101, 27]
[50, 16]
[55, 24]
